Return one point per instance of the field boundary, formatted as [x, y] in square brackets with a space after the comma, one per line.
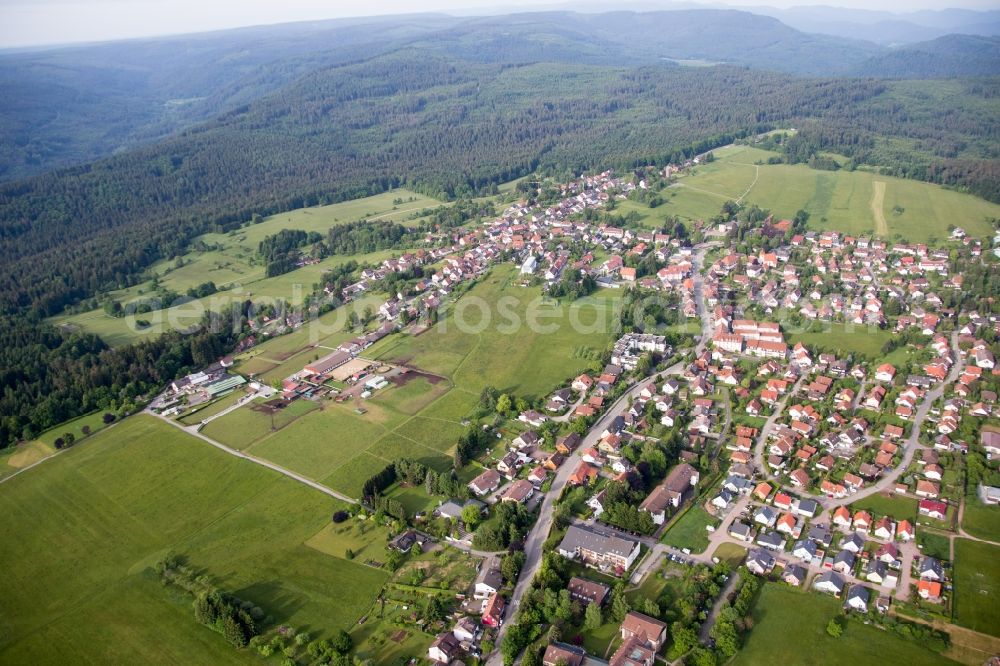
[877, 202]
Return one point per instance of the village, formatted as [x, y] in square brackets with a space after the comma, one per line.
[814, 462]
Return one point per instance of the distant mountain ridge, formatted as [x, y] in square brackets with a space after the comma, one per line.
[70, 105]
[950, 56]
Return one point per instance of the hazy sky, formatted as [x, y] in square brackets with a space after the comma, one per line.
[31, 22]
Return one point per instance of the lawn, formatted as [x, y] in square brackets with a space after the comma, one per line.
[596, 642]
[845, 201]
[366, 540]
[731, 553]
[980, 520]
[414, 500]
[81, 532]
[383, 642]
[866, 341]
[977, 586]
[790, 628]
[504, 335]
[689, 531]
[880, 504]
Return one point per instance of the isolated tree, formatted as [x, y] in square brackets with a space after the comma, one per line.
[532, 657]
[504, 404]
[471, 516]
[592, 617]
[342, 642]
[834, 628]
[488, 397]
[619, 604]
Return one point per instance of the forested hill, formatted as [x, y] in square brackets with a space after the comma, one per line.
[946, 57]
[71, 105]
[437, 124]
[75, 104]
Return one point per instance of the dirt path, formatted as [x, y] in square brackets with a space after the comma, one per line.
[756, 176]
[878, 199]
[193, 431]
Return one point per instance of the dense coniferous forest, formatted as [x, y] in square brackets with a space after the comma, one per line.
[436, 122]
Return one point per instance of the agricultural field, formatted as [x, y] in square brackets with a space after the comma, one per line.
[230, 261]
[421, 415]
[853, 202]
[82, 531]
[239, 429]
[977, 586]
[782, 612]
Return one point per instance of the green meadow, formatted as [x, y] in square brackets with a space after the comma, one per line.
[497, 346]
[977, 586]
[790, 628]
[842, 338]
[853, 202]
[82, 531]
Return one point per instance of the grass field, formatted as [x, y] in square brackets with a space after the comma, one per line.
[15, 458]
[489, 350]
[934, 545]
[790, 628]
[239, 429]
[731, 553]
[899, 508]
[980, 520]
[977, 586]
[24, 454]
[317, 444]
[81, 531]
[689, 531]
[843, 338]
[204, 411]
[851, 202]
